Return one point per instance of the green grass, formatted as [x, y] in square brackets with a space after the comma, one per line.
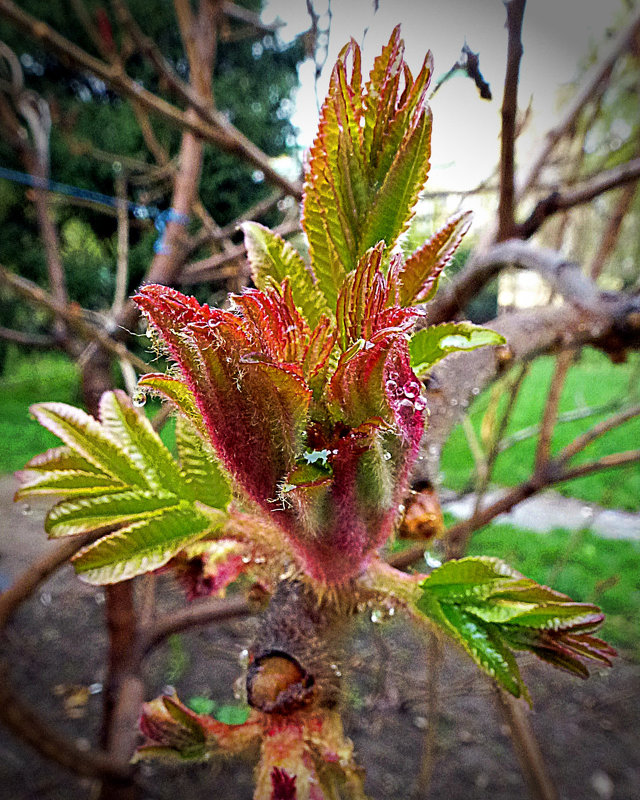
[584, 566]
[43, 376]
[592, 382]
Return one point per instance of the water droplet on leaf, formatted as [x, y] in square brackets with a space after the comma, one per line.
[139, 398]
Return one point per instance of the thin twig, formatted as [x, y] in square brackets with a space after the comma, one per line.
[593, 87]
[527, 748]
[72, 315]
[206, 124]
[580, 442]
[515, 13]
[205, 613]
[621, 175]
[550, 416]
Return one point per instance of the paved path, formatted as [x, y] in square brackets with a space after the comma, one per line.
[549, 510]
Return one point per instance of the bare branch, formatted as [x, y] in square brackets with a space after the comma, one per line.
[606, 462]
[515, 13]
[72, 315]
[206, 125]
[565, 277]
[623, 174]
[37, 340]
[580, 442]
[593, 87]
[28, 724]
[205, 613]
[550, 416]
[527, 748]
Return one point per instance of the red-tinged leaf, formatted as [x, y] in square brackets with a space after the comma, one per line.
[254, 412]
[392, 207]
[419, 276]
[172, 729]
[283, 785]
[319, 347]
[273, 324]
[366, 308]
[178, 393]
[207, 568]
[411, 102]
[380, 95]
[274, 259]
[356, 391]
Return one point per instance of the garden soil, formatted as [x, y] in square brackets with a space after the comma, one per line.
[589, 731]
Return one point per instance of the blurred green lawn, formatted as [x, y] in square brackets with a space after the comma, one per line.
[593, 381]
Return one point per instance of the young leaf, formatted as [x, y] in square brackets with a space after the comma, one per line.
[200, 470]
[83, 434]
[137, 439]
[392, 206]
[429, 345]
[418, 277]
[490, 609]
[274, 259]
[91, 513]
[143, 546]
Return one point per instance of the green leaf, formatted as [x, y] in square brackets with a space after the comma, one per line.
[392, 207]
[490, 609]
[485, 646]
[142, 546]
[61, 458]
[274, 259]
[429, 345]
[177, 392]
[91, 513]
[232, 715]
[137, 439]
[200, 469]
[88, 438]
[70, 483]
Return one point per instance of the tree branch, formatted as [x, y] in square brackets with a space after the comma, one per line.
[561, 200]
[24, 339]
[72, 314]
[580, 442]
[593, 87]
[205, 124]
[515, 13]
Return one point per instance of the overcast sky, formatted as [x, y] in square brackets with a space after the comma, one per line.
[556, 35]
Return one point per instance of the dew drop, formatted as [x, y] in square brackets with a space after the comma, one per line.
[391, 386]
[453, 402]
[405, 407]
[259, 559]
[377, 615]
[246, 559]
[432, 560]
[419, 403]
[243, 658]
[387, 456]
[393, 376]
[475, 390]
[95, 688]
[45, 598]
[26, 509]
[412, 389]
[139, 398]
